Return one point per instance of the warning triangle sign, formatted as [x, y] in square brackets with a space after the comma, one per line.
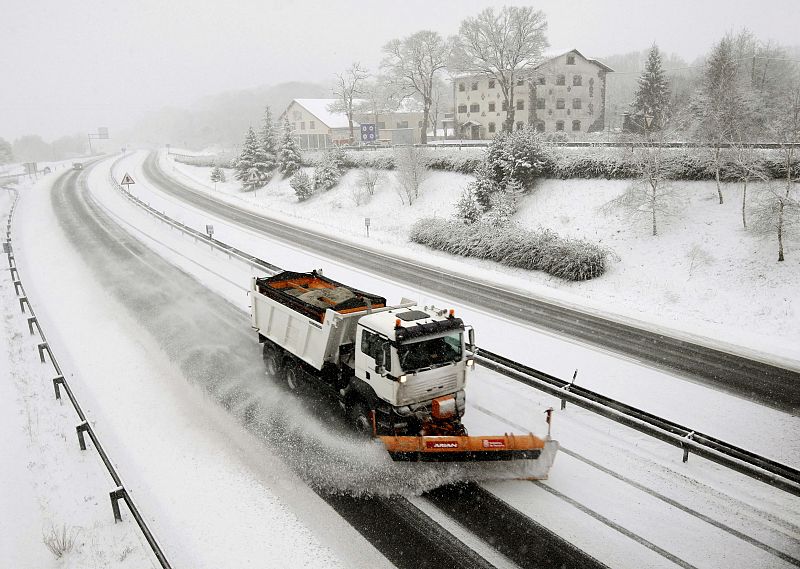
[127, 180]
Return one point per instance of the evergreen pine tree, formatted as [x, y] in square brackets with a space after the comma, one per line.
[652, 95]
[289, 159]
[269, 141]
[247, 156]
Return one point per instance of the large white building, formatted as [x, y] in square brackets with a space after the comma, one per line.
[566, 93]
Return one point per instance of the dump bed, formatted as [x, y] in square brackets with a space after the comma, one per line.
[309, 315]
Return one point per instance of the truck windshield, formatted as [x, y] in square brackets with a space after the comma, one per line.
[430, 353]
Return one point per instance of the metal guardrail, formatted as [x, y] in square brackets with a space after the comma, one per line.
[736, 458]
[60, 382]
[200, 236]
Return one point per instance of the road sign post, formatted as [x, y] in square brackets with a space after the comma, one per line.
[366, 225]
[127, 181]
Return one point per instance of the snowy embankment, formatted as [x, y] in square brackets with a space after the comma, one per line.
[704, 278]
[49, 484]
[496, 404]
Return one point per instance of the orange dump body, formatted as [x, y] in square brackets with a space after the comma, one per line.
[463, 448]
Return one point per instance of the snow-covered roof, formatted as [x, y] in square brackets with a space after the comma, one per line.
[547, 56]
[319, 108]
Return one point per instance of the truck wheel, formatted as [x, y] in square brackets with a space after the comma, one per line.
[360, 419]
[272, 361]
[291, 374]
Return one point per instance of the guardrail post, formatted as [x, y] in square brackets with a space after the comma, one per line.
[42, 347]
[14, 273]
[31, 321]
[58, 380]
[18, 286]
[82, 428]
[23, 300]
[116, 496]
[686, 447]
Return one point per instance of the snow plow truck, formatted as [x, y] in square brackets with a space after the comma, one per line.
[397, 372]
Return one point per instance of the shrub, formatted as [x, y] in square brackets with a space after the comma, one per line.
[520, 155]
[60, 541]
[329, 169]
[511, 245]
[206, 161]
[301, 184]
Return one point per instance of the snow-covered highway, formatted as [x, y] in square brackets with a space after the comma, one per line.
[139, 332]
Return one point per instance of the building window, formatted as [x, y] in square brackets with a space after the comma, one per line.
[462, 108]
[520, 82]
[576, 103]
[491, 127]
[474, 86]
[570, 60]
[474, 108]
[312, 125]
[402, 124]
[520, 125]
[559, 125]
[561, 80]
[539, 126]
[542, 81]
[462, 87]
[505, 106]
[540, 103]
[520, 105]
[576, 126]
[577, 80]
[491, 83]
[559, 103]
[381, 125]
[492, 107]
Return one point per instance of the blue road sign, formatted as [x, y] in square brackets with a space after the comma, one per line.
[369, 132]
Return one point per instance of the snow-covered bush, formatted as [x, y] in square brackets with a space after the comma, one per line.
[206, 161]
[60, 541]
[368, 179]
[503, 204]
[543, 250]
[302, 186]
[467, 208]
[329, 170]
[521, 155]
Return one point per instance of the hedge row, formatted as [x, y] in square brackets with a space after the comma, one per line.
[542, 250]
[207, 161]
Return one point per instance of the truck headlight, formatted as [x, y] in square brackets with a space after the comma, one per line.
[402, 378]
[470, 362]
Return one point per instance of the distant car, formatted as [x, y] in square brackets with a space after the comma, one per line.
[77, 166]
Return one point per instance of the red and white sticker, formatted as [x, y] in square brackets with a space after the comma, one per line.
[441, 444]
[494, 443]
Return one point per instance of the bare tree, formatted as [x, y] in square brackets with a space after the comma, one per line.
[651, 195]
[412, 64]
[778, 208]
[411, 169]
[368, 179]
[347, 89]
[377, 96]
[747, 165]
[504, 46]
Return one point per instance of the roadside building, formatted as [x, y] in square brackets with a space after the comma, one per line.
[566, 94]
[316, 127]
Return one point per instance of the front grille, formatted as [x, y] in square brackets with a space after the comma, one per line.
[420, 388]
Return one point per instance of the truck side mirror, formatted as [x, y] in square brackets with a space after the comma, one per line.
[471, 335]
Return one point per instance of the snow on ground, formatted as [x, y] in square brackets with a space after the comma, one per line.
[631, 461]
[48, 482]
[213, 495]
[703, 277]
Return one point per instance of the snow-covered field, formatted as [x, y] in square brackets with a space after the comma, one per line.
[703, 277]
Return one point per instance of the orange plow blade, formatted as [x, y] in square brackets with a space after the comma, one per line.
[527, 456]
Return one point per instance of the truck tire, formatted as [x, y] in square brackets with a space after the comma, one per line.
[272, 361]
[291, 376]
[359, 418]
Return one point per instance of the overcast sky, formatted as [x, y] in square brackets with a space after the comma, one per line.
[69, 67]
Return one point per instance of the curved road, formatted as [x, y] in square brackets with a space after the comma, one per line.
[772, 385]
